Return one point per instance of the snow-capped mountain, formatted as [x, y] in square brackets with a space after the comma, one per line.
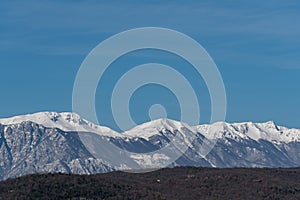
[65, 121]
[256, 131]
[53, 142]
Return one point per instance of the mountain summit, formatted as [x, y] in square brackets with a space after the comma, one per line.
[66, 121]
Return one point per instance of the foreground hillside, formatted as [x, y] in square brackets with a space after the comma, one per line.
[176, 183]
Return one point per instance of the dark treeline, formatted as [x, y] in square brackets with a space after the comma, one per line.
[176, 183]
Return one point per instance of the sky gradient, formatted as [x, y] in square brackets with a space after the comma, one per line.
[256, 46]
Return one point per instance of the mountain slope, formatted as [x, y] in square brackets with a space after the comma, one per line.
[253, 145]
[28, 147]
[65, 121]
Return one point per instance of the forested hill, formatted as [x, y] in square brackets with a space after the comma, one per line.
[175, 183]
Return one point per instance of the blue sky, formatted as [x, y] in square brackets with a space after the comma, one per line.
[256, 46]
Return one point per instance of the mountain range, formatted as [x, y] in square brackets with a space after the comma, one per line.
[57, 142]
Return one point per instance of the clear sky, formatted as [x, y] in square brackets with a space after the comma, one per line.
[255, 44]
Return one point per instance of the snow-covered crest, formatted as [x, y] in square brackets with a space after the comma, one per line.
[68, 121]
[267, 131]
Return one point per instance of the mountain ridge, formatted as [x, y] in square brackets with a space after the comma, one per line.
[57, 144]
[70, 121]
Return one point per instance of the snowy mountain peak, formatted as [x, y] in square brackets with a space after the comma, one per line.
[248, 130]
[271, 125]
[44, 117]
[148, 129]
[66, 121]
